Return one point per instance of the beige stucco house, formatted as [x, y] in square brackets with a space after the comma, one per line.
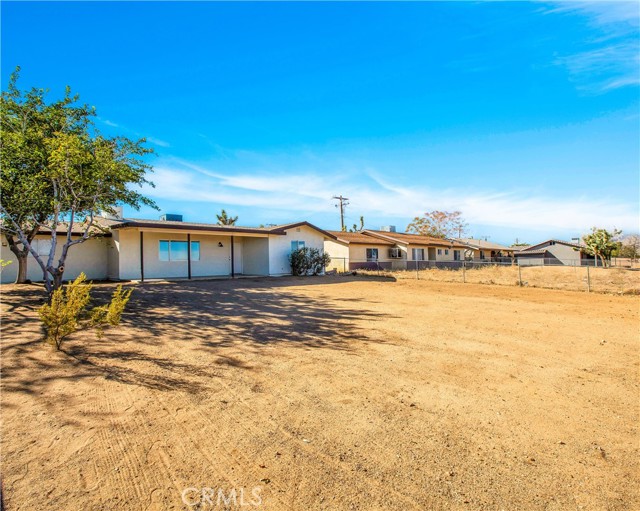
[135, 249]
[392, 250]
[485, 251]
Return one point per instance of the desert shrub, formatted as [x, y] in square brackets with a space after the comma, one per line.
[305, 261]
[109, 315]
[318, 260]
[62, 314]
[67, 310]
[299, 259]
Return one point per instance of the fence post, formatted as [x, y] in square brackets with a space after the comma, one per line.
[344, 265]
[519, 274]
[464, 274]
[588, 280]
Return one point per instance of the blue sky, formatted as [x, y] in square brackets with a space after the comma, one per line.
[525, 116]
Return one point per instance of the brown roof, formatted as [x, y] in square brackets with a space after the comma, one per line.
[197, 226]
[284, 227]
[482, 244]
[193, 226]
[414, 239]
[359, 238]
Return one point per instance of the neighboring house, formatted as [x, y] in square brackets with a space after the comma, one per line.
[554, 252]
[353, 250]
[133, 249]
[485, 251]
[392, 250]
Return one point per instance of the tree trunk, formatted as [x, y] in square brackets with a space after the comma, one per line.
[21, 277]
[21, 257]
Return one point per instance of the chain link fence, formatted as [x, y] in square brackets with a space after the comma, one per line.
[571, 275]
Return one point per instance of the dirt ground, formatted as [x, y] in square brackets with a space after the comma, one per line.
[333, 393]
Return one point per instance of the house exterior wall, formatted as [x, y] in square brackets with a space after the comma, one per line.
[566, 254]
[255, 253]
[339, 253]
[215, 260]
[90, 257]
[280, 247]
[129, 254]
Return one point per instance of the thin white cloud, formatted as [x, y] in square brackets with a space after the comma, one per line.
[110, 123]
[158, 142]
[304, 194]
[612, 58]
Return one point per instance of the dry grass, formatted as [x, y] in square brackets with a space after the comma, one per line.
[602, 280]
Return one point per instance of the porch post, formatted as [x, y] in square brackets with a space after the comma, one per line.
[189, 256]
[141, 256]
[233, 273]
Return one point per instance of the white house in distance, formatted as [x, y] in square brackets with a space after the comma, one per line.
[136, 249]
[554, 252]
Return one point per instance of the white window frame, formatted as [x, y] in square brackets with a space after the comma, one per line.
[372, 258]
[419, 251]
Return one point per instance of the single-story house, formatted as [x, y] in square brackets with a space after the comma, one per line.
[485, 251]
[136, 249]
[554, 252]
[391, 250]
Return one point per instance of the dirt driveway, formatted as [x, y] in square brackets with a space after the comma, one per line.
[326, 393]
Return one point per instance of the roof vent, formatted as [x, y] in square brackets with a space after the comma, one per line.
[169, 217]
[388, 228]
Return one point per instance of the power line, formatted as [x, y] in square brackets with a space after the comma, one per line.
[343, 204]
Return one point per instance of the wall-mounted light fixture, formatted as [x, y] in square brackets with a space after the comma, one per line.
[220, 244]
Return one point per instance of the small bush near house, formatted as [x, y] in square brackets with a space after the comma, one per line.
[109, 315]
[318, 260]
[68, 310]
[308, 261]
[62, 314]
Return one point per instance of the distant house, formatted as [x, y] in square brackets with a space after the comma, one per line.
[486, 251]
[136, 249]
[554, 252]
[391, 250]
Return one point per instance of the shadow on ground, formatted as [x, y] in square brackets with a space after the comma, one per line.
[222, 319]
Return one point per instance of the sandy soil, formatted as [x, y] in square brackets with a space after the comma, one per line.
[327, 393]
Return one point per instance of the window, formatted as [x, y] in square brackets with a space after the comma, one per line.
[446, 251]
[439, 251]
[456, 255]
[195, 250]
[175, 250]
[395, 253]
[372, 254]
[418, 254]
[481, 254]
[296, 245]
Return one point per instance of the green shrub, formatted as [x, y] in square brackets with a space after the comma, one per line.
[62, 314]
[109, 315]
[67, 310]
[305, 261]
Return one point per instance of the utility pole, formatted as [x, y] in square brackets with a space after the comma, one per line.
[343, 204]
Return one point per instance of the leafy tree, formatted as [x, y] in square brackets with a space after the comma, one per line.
[630, 247]
[27, 124]
[75, 174]
[224, 219]
[439, 224]
[600, 243]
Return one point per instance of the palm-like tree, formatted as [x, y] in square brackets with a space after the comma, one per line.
[224, 219]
